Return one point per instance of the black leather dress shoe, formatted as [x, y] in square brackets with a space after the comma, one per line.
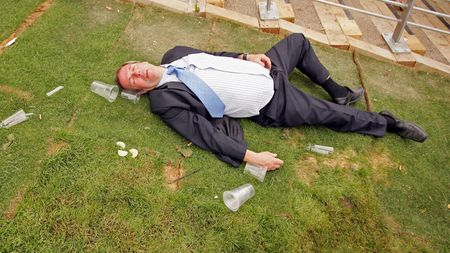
[352, 96]
[407, 129]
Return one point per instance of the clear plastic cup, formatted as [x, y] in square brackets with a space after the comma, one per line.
[131, 95]
[234, 199]
[320, 149]
[15, 119]
[110, 92]
[256, 171]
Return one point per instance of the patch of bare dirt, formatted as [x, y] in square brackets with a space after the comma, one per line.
[102, 15]
[72, 118]
[347, 203]
[41, 9]
[172, 172]
[345, 159]
[25, 95]
[14, 204]
[307, 169]
[381, 163]
[55, 147]
[292, 136]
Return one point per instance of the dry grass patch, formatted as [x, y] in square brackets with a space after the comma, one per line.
[102, 15]
[346, 159]
[55, 147]
[380, 161]
[307, 169]
[292, 136]
[25, 95]
[173, 172]
[14, 204]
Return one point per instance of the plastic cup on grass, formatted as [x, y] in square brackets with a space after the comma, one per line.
[256, 171]
[131, 95]
[234, 199]
[107, 91]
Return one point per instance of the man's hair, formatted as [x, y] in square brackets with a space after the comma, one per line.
[118, 70]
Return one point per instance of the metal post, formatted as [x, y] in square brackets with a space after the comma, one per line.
[268, 11]
[269, 3]
[398, 32]
[395, 41]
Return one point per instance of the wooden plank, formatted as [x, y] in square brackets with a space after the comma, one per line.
[349, 27]
[269, 26]
[218, 3]
[371, 50]
[286, 11]
[413, 42]
[430, 65]
[434, 20]
[436, 38]
[317, 36]
[287, 28]
[333, 31]
[214, 11]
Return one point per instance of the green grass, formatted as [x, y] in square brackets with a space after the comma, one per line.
[382, 195]
[13, 13]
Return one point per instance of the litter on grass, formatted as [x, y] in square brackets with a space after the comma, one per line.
[54, 90]
[320, 149]
[134, 152]
[120, 144]
[15, 119]
[11, 42]
[122, 153]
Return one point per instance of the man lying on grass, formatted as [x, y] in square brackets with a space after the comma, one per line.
[198, 94]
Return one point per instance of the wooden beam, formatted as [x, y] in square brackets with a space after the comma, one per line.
[218, 3]
[286, 11]
[287, 28]
[349, 27]
[368, 49]
[333, 31]
[214, 11]
[430, 65]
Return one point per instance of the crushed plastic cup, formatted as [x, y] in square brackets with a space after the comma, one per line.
[131, 95]
[110, 92]
[15, 119]
[234, 199]
[256, 171]
[320, 149]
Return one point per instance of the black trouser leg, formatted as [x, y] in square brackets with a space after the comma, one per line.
[295, 51]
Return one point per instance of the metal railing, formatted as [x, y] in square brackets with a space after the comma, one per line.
[395, 40]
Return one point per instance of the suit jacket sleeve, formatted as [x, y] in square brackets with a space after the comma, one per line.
[223, 137]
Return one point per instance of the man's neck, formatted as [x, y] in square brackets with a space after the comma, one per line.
[160, 70]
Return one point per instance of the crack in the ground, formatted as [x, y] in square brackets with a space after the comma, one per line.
[366, 92]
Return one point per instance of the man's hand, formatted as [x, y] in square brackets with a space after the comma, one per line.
[261, 59]
[263, 159]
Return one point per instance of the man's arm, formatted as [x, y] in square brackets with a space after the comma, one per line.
[261, 59]
[202, 133]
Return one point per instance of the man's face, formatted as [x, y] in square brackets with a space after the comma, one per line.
[141, 76]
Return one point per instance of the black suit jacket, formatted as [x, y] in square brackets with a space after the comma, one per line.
[181, 110]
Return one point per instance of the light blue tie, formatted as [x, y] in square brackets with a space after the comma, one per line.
[206, 95]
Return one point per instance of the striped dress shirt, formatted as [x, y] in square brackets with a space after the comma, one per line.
[244, 87]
